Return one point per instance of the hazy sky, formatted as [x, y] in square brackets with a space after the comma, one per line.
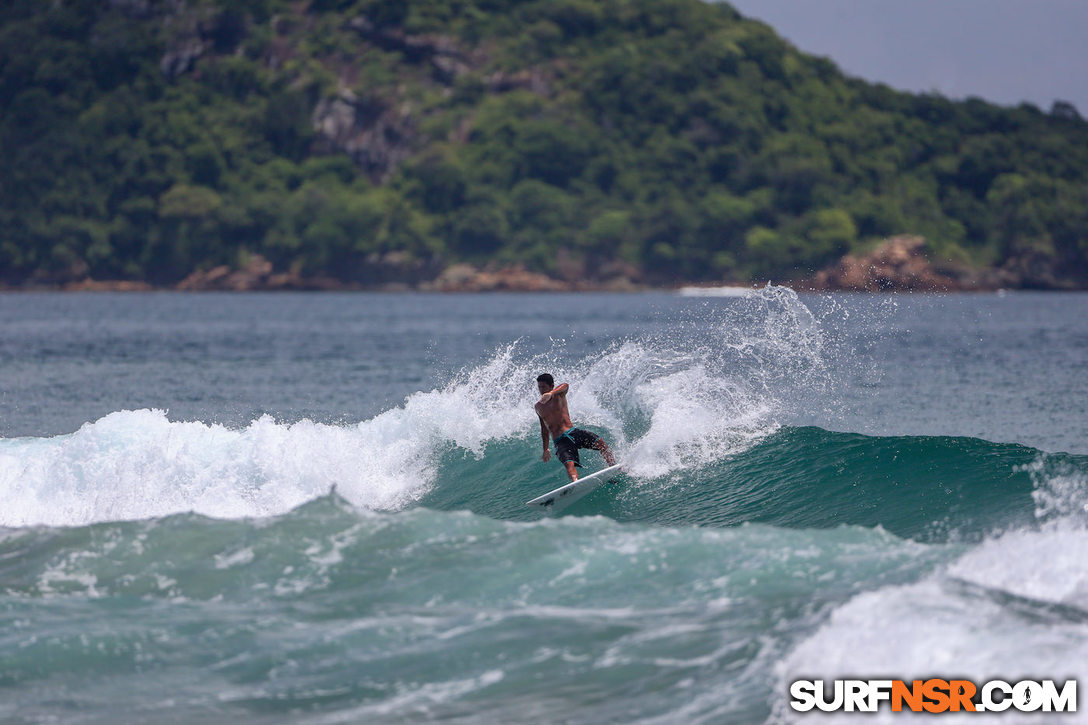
[1006, 51]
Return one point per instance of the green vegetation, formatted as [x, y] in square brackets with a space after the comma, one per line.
[146, 140]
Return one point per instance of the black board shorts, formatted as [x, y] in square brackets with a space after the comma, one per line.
[567, 445]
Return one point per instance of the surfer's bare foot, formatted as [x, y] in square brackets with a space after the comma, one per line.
[572, 471]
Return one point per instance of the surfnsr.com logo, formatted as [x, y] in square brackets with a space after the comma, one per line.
[933, 695]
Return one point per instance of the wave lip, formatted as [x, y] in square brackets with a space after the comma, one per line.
[138, 464]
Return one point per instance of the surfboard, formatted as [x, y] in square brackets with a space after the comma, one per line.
[564, 496]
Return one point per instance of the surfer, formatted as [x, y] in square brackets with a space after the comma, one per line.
[555, 423]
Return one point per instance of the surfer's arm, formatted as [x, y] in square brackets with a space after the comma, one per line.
[558, 390]
[544, 438]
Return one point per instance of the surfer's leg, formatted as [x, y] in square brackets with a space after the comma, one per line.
[605, 451]
[586, 439]
[567, 451]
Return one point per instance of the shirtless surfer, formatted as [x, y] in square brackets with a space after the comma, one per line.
[555, 422]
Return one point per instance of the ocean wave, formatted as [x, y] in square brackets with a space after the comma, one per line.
[352, 611]
[667, 405]
[1013, 607]
[139, 464]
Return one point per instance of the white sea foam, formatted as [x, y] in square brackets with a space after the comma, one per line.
[139, 464]
[726, 291]
[1013, 607]
[1060, 490]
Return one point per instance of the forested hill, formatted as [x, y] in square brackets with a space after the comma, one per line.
[375, 140]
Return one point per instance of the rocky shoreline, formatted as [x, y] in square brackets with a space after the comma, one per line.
[899, 264]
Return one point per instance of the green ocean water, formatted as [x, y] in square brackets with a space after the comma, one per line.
[187, 553]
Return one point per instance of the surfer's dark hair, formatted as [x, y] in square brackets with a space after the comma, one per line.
[546, 378]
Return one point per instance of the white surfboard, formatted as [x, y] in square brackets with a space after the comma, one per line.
[564, 496]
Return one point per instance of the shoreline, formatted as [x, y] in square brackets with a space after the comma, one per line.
[898, 264]
[682, 289]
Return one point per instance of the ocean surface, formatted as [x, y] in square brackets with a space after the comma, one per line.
[310, 507]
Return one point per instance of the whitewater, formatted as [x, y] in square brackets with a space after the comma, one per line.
[311, 508]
